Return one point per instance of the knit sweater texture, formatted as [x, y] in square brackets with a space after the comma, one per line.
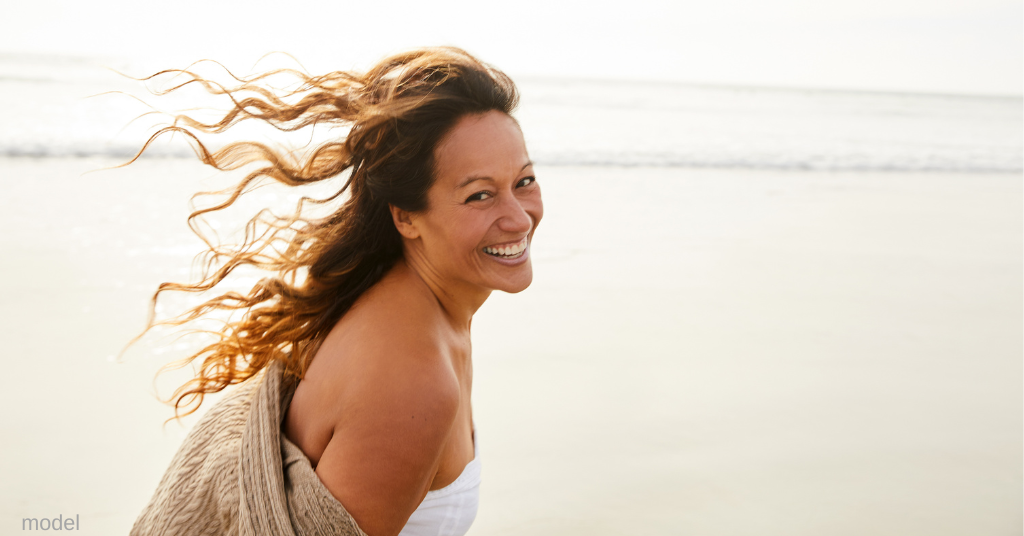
[237, 474]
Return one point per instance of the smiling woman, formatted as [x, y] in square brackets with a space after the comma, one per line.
[486, 202]
[354, 416]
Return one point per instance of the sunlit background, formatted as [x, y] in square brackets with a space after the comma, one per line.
[947, 46]
[778, 284]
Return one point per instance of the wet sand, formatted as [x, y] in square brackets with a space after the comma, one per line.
[717, 352]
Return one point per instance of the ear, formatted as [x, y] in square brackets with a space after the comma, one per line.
[404, 222]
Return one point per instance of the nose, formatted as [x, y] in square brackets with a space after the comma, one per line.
[513, 217]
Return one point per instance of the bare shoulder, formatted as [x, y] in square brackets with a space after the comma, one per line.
[394, 401]
[392, 341]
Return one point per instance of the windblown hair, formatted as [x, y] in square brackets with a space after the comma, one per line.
[397, 113]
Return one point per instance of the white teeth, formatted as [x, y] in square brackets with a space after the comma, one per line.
[507, 251]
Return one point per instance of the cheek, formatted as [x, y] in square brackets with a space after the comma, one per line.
[461, 232]
[473, 231]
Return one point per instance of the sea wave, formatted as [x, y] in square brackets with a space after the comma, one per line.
[575, 123]
[935, 162]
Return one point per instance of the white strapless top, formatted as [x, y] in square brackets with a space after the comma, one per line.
[449, 511]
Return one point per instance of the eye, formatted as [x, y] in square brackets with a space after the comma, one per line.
[479, 196]
[526, 182]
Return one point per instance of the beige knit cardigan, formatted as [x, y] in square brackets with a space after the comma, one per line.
[236, 473]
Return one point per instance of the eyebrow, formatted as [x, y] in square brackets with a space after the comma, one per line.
[469, 180]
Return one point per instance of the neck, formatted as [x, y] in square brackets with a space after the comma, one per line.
[458, 300]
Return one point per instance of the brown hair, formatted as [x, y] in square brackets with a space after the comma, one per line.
[398, 111]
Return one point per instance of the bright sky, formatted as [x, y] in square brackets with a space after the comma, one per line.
[947, 46]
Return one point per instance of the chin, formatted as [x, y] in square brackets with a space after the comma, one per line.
[517, 284]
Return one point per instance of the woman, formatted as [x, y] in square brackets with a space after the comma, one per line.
[354, 416]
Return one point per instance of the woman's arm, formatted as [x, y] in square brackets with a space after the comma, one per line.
[394, 421]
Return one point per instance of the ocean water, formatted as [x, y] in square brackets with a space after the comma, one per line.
[754, 311]
[572, 122]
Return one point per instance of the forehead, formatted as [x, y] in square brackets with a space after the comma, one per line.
[481, 145]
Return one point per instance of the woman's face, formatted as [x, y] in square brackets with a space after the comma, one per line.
[483, 207]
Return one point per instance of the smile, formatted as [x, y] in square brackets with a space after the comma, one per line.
[507, 251]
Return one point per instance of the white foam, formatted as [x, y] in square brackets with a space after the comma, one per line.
[582, 123]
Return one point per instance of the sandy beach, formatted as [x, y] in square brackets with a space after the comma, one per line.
[720, 352]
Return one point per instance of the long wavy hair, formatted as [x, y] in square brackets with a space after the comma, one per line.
[397, 113]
